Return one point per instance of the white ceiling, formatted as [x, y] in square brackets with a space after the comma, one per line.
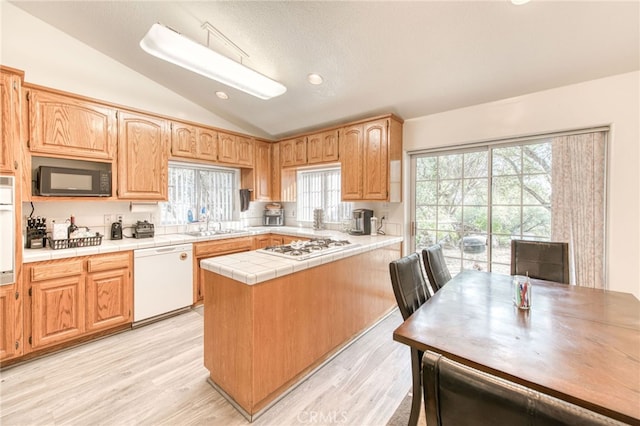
[408, 58]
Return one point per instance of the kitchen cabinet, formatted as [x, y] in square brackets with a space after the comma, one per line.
[323, 147]
[10, 119]
[143, 157]
[69, 126]
[193, 142]
[262, 189]
[276, 183]
[56, 289]
[10, 322]
[235, 149]
[266, 240]
[109, 289]
[76, 297]
[293, 152]
[370, 153]
[214, 248]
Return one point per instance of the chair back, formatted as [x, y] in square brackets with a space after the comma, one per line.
[542, 260]
[458, 395]
[435, 266]
[409, 284]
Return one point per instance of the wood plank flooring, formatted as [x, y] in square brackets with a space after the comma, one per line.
[154, 375]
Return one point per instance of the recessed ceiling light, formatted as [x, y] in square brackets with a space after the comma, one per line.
[519, 2]
[315, 78]
[222, 95]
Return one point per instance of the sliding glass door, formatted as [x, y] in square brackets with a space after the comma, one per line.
[474, 201]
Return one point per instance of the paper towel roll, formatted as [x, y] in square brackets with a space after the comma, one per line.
[138, 207]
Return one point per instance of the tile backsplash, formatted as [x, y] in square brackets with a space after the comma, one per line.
[98, 215]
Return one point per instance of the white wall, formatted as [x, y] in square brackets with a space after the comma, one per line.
[53, 59]
[613, 101]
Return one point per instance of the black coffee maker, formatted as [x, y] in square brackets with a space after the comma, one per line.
[361, 222]
[116, 230]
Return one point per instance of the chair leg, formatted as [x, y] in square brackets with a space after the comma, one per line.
[416, 400]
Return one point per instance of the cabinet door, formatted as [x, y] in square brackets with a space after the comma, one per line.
[293, 152]
[10, 336]
[143, 154]
[330, 146]
[375, 161]
[314, 148]
[69, 126]
[276, 174]
[261, 241]
[9, 121]
[245, 151]
[57, 310]
[183, 140]
[109, 299]
[323, 147]
[227, 152]
[262, 172]
[351, 158]
[207, 144]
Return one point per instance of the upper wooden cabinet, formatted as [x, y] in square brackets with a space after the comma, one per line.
[143, 157]
[293, 152]
[193, 142]
[10, 113]
[235, 149]
[370, 153]
[262, 190]
[66, 126]
[323, 147]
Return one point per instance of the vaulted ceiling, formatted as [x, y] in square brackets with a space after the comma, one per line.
[408, 58]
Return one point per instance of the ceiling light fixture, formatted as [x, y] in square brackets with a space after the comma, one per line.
[519, 2]
[171, 46]
[315, 78]
[222, 95]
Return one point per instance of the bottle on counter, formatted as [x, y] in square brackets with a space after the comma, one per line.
[72, 227]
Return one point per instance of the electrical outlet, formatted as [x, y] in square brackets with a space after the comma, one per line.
[108, 219]
[120, 217]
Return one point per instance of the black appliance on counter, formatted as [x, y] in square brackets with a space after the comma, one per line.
[361, 222]
[116, 230]
[143, 229]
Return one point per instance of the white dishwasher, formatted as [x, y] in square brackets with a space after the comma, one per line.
[163, 280]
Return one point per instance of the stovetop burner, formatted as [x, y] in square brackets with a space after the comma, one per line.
[305, 249]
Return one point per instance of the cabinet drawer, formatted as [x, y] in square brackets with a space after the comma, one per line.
[49, 270]
[222, 246]
[108, 262]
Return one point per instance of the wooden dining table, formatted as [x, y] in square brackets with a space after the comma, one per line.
[579, 344]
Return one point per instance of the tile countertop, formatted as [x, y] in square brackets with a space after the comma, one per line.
[255, 267]
[110, 246]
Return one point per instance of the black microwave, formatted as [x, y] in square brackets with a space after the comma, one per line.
[66, 182]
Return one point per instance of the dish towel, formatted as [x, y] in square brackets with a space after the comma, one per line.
[245, 198]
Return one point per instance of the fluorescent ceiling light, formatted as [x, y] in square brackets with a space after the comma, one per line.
[173, 47]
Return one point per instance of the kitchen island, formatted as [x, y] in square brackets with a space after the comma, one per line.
[270, 321]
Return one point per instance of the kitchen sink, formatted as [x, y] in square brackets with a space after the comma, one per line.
[216, 232]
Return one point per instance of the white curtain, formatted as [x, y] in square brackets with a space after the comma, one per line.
[578, 204]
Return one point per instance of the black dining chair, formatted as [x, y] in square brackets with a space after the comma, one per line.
[540, 259]
[458, 395]
[435, 266]
[411, 290]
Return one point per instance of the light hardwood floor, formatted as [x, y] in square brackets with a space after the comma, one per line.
[154, 375]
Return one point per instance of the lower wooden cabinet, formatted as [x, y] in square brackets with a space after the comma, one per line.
[214, 248]
[72, 298]
[10, 322]
[108, 291]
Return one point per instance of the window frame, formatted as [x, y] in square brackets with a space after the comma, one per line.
[344, 206]
[196, 167]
